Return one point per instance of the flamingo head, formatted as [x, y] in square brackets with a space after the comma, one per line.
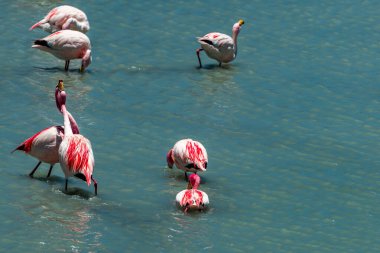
[86, 60]
[237, 26]
[169, 158]
[194, 181]
[60, 95]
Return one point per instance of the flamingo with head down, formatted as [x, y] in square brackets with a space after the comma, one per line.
[67, 45]
[44, 144]
[192, 198]
[62, 18]
[75, 152]
[219, 46]
[188, 155]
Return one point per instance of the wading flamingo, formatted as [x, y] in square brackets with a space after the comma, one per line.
[62, 18]
[44, 144]
[219, 46]
[75, 152]
[188, 155]
[192, 198]
[67, 45]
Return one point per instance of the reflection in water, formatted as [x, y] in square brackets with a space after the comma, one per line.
[70, 223]
[186, 225]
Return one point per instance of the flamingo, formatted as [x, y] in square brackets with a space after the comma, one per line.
[44, 144]
[192, 198]
[62, 18]
[219, 46]
[188, 155]
[67, 45]
[75, 152]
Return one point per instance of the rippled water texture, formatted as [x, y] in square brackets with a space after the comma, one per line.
[291, 128]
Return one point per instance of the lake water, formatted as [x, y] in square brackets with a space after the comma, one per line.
[291, 128]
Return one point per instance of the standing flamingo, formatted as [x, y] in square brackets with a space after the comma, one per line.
[188, 155]
[44, 144]
[219, 46]
[192, 198]
[62, 18]
[67, 45]
[75, 152]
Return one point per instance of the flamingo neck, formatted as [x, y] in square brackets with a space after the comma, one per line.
[195, 186]
[66, 120]
[194, 180]
[234, 39]
[73, 123]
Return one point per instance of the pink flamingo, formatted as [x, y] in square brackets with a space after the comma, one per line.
[188, 155]
[192, 198]
[44, 144]
[62, 18]
[219, 46]
[67, 45]
[75, 152]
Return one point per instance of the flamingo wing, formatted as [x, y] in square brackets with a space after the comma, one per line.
[215, 39]
[76, 156]
[65, 44]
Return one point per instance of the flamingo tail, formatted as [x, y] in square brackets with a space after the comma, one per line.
[41, 43]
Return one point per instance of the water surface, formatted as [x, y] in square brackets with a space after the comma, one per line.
[291, 128]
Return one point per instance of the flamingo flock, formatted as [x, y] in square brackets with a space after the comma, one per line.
[67, 40]
[64, 144]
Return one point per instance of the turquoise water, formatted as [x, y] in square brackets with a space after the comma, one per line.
[291, 128]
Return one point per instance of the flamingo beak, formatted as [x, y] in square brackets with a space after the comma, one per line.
[241, 22]
[81, 69]
[189, 186]
[60, 85]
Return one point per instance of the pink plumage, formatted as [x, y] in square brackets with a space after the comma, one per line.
[220, 46]
[67, 45]
[188, 155]
[75, 152]
[62, 18]
[192, 198]
[75, 156]
[44, 145]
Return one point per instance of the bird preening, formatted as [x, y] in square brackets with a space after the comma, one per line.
[67, 40]
[63, 17]
[188, 155]
[219, 46]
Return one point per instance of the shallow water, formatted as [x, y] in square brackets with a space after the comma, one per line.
[291, 129]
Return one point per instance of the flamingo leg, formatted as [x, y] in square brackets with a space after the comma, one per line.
[199, 58]
[51, 167]
[220, 64]
[66, 184]
[67, 63]
[34, 170]
[186, 178]
[95, 185]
